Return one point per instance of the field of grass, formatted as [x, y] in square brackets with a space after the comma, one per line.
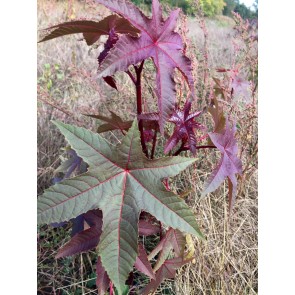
[67, 88]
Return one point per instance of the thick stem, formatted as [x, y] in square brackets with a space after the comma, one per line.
[131, 76]
[138, 71]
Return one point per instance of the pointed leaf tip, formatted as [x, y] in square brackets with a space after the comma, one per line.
[140, 189]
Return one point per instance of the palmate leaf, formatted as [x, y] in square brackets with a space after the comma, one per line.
[229, 164]
[166, 271]
[92, 30]
[184, 128]
[173, 239]
[158, 41]
[121, 182]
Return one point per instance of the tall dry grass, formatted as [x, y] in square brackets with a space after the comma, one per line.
[67, 88]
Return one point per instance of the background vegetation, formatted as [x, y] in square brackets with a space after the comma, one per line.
[210, 7]
[67, 88]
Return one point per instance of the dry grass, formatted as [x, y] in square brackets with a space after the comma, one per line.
[227, 262]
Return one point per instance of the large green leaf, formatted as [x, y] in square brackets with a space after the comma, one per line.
[122, 182]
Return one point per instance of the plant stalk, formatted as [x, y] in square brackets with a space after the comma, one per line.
[138, 71]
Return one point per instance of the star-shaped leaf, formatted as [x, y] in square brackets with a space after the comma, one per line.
[121, 182]
[229, 164]
[184, 129]
[158, 41]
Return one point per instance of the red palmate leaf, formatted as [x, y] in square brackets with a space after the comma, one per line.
[158, 41]
[166, 271]
[92, 30]
[173, 239]
[142, 264]
[229, 164]
[184, 129]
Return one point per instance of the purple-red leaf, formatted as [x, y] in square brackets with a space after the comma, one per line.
[146, 228]
[102, 278]
[113, 123]
[81, 242]
[84, 240]
[92, 30]
[229, 164]
[184, 129]
[142, 264]
[166, 271]
[110, 81]
[73, 164]
[158, 41]
[173, 239]
[112, 40]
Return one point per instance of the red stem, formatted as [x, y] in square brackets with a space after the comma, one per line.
[182, 148]
[138, 71]
[205, 147]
